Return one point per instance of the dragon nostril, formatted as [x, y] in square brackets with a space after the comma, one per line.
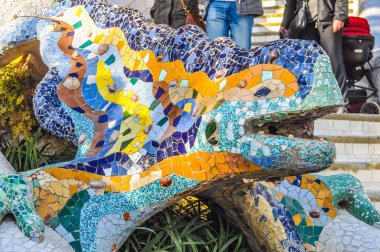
[272, 130]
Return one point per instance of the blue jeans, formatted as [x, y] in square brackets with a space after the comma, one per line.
[222, 19]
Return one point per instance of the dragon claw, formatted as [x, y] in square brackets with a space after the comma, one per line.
[15, 199]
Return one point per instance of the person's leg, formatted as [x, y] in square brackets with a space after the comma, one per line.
[216, 21]
[310, 33]
[332, 43]
[240, 26]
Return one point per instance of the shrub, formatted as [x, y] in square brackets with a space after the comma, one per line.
[187, 226]
[16, 93]
[35, 151]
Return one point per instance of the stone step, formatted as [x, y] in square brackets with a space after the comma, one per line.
[257, 24]
[361, 153]
[271, 15]
[356, 136]
[260, 39]
[268, 19]
[279, 9]
[262, 30]
[272, 3]
[352, 127]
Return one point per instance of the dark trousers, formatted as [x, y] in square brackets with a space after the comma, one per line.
[332, 44]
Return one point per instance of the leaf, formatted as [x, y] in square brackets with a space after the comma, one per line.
[228, 243]
[181, 228]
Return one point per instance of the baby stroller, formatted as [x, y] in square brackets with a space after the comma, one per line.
[357, 46]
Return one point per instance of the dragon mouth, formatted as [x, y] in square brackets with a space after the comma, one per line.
[293, 125]
[287, 128]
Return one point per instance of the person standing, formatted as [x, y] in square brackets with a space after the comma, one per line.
[171, 12]
[232, 17]
[325, 22]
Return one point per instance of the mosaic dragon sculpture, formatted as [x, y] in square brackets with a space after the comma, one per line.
[157, 114]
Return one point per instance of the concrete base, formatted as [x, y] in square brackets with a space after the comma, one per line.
[13, 240]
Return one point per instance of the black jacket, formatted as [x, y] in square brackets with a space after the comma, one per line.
[328, 10]
[243, 7]
[171, 12]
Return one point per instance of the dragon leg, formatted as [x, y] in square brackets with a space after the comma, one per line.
[15, 198]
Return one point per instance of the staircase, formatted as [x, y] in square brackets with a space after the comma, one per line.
[266, 27]
[357, 142]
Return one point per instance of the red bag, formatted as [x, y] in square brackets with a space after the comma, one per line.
[193, 18]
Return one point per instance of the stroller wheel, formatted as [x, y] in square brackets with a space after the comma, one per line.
[370, 108]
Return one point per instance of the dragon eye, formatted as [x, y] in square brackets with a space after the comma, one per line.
[210, 129]
[264, 91]
[212, 133]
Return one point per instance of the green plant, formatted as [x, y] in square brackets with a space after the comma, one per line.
[194, 229]
[28, 153]
[24, 154]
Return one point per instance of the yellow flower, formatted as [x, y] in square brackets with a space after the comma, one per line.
[19, 99]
